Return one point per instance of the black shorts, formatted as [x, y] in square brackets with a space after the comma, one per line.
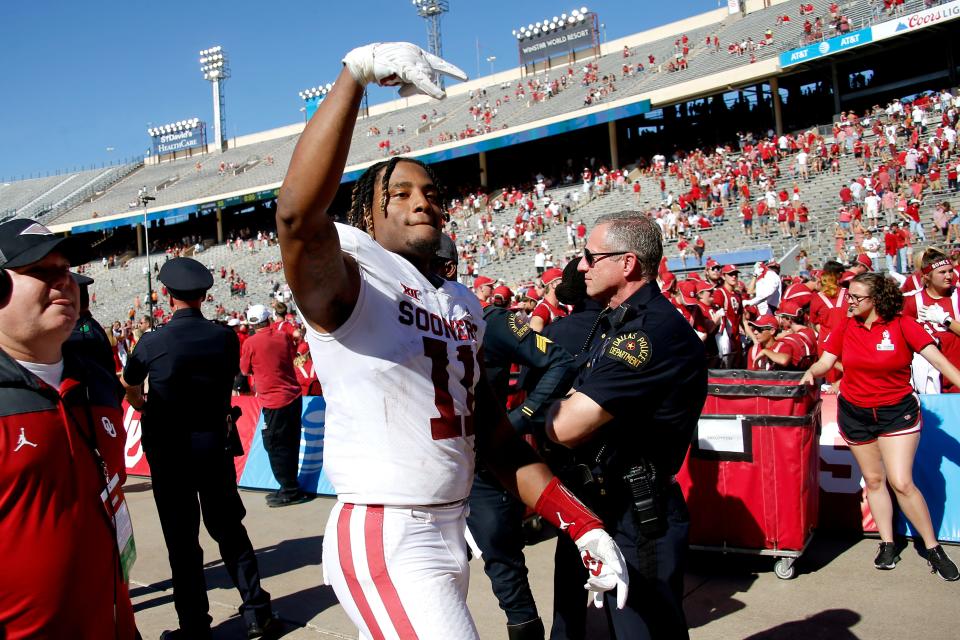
[863, 425]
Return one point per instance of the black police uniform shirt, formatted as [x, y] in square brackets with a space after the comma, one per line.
[89, 340]
[572, 332]
[508, 341]
[646, 367]
[191, 362]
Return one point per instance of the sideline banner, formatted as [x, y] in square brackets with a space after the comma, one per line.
[936, 471]
[843, 504]
[253, 468]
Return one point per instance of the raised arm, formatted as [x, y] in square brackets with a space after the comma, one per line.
[309, 244]
[324, 281]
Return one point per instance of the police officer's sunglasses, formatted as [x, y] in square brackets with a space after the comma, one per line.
[593, 258]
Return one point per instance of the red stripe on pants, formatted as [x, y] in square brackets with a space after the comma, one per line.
[376, 560]
[350, 573]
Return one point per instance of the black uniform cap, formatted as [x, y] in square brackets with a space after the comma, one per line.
[447, 249]
[81, 279]
[185, 278]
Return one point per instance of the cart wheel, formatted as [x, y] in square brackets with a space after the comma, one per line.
[784, 568]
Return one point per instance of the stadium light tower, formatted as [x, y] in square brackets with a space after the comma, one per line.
[216, 69]
[312, 98]
[145, 200]
[431, 11]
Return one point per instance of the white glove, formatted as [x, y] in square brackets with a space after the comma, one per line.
[934, 313]
[400, 64]
[606, 566]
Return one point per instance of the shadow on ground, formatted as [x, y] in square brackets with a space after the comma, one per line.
[832, 624]
[274, 560]
[714, 579]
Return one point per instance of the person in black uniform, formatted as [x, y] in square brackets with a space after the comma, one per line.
[638, 397]
[88, 337]
[191, 363]
[495, 519]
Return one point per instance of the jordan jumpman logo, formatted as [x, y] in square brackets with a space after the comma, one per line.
[22, 441]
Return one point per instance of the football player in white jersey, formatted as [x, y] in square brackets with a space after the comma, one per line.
[395, 349]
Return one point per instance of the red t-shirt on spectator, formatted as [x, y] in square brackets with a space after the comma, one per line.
[876, 360]
[547, 312]
[268, 356]
[799, 293]
[949, 342]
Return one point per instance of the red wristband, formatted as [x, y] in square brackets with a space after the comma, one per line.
[563, 510]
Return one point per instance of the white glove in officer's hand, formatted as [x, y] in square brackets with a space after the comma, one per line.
[934, 313]
[400, 64]
[605, 564]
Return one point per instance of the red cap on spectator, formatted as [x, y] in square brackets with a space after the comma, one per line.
[669, 282]
[531, 294]
[788, 308]
[711, 263]
[847, 276]
[481, 280]
[865, 260]
[704, 286]
[303, 348]
[688, 291]
[504, 292]
[690, 288]
[766, 321]
[551, 274]
[729, 268]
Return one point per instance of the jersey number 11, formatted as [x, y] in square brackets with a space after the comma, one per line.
[448, 425]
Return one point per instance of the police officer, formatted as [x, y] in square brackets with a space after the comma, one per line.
[637, 400]
[191, 363]
[88, 337]
[496, 515]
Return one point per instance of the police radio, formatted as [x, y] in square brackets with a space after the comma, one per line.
[645, 493]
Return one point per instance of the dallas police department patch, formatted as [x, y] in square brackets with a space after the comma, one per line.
[633, 349]
[518, 328]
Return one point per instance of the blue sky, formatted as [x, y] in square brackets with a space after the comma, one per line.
[80, 78]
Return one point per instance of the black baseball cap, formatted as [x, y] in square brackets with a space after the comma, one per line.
[24, 241]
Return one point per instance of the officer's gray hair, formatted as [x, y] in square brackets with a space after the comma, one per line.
[637, 233]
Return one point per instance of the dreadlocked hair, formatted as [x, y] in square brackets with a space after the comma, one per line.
[360, 214]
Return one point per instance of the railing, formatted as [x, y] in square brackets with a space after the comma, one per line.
[94, 191]
[133, 160]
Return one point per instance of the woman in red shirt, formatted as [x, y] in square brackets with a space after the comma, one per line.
[877, 410]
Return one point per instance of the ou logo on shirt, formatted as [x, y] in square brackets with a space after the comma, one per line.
[108, 426]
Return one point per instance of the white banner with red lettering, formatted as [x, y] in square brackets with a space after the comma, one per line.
[253, 467]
